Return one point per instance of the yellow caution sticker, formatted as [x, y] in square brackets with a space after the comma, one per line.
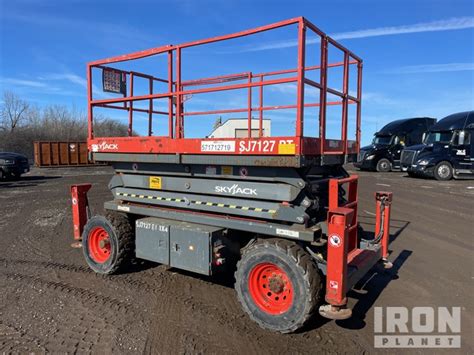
[286, 148]
[155, 182]
[226, 170]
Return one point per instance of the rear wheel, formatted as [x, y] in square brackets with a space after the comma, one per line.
[384, 165]
[443, 171]
[108, 243]
[277, 284]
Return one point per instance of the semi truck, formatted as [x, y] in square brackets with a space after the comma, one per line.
[280, 211]
[447, 150]
[384, 153]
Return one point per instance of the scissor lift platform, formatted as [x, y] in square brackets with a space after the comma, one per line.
[292, 150]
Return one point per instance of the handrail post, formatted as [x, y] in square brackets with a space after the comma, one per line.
[90, 130]
[323, 93]
[130, 108]
[345, 89]
[249, 108]
[178, 95]
[359, 102]
[170, 92]
[260, 121]
[150, 111]
[300, 83]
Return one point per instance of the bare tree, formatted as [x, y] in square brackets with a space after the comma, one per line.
[13, 112]
[22, 123]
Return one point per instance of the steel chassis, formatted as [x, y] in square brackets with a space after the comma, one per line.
[294, 190]
[346, 258]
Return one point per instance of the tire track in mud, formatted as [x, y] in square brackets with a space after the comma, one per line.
[80, 329]
[196, 316]
[175, 293]
[13, 340]
[33, 234]
[191, 314]
[128, 280]
[176, 327]
[164, 297]
[86, 295]
[163, 336]
[176, 334]
[180, 325]
[86, 330]
[92, 322]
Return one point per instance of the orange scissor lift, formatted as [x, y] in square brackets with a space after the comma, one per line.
[280, 210]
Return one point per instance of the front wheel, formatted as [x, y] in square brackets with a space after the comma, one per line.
[108, 243]
[384, 165]
[277, 284]
[443, 171]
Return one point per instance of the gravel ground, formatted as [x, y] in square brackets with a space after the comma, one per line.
[51, 302]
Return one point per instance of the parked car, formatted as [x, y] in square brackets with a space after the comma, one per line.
[447, 150]
[383, 154]
[12, 165]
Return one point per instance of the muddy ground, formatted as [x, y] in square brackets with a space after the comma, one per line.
[51, 302]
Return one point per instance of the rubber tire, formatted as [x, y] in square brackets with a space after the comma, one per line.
[301, 270]
[412, 174]
[121, 235]
[440, 178]
[381, 169]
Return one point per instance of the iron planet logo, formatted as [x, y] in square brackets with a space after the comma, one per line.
[419, 327]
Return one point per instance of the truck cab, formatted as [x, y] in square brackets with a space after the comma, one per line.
[446, 152]
[384, 153]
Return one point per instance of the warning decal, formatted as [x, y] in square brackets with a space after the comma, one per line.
[155, 182]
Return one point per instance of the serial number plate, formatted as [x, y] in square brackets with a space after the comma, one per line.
[288, 233]
[218, 146]
[271, 146]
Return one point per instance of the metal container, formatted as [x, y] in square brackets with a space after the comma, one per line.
[61, 154]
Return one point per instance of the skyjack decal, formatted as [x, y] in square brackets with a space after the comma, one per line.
[235, 190]
[104, 146]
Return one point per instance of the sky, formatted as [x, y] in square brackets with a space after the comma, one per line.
[418, 54]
